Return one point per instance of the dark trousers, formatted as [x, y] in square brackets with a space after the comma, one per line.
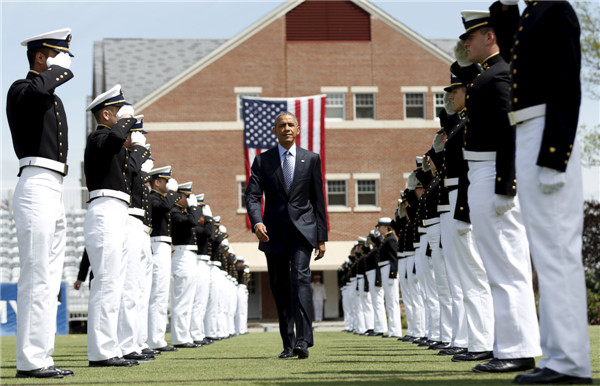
[289, 277]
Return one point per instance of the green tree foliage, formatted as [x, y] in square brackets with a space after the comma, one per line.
[591, 258]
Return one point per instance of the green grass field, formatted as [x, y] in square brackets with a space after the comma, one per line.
[337, 358]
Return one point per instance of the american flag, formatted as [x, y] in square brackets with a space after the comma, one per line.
[259, 119]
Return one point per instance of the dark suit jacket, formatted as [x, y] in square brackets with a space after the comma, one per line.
[303, 206]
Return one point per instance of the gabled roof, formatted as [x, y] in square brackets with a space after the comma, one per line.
[143, 65]
[278, 12]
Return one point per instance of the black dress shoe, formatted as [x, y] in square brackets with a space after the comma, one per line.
[420, 340]
[434, 343]
[473, 356]
[166, 348]
[505, 365]
[114, 362]
[206, 341]
[150, 351]
[549, 376]
[139, 357]
[301, 350]
[64, 372]
[214, 339]
[453, 351]
[440, 346]
[286, 353]
[187, 345]
[425, 343]
[199, 343]
[44, 372]
[407, 338]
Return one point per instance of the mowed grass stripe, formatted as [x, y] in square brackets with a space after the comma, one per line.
[337, 358]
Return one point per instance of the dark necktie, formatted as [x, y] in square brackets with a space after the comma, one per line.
[287, 170]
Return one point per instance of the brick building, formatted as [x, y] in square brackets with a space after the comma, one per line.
[384, 88]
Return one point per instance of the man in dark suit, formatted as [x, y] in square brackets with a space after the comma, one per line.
[293, 224]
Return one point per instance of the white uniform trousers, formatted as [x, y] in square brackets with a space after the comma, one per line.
[460, 332]
[502, 242]
[128, 325]
[222, 305]
[346, 308]
[416, 298]
[405, 291]
[232, 300]
[377, 300]
[183, 268]
[441, 283]
[158, 306]
[554, 228]
[367, 304]
[241, 316]
[391, 293]
[201, 297]
[361, 326]
[105, 230]
[426, 277]
[146, 266]
[41, 233]
[477, 295]
[211, 318]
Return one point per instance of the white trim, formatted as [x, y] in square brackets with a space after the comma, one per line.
[405, 175]
[338, 209]
[364, 89]
[362, 124]
[367, 208]
[337, 176]
[413, 89]
[240, 178]
[241, 211]
[333, 89]
[248, 90]
[437, 88]
[366, 176]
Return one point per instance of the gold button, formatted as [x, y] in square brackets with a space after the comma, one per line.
[59, 123]
[55, 103]
[66, 73]
[568, 154]
[526, 15]
[516, 42]
[468, 96]
[461, 208]
[60, 154]
[570, 146]
[552, 149]
[514, 188]
[514, 85]
[566, 162]
[60, 144]
[521, 28]
[123, 173]
[60, 133]
[61, 77]
[515, 181]
[57, 79]
[499, 178]
[514, 71]
[514, 57]
[515, 100]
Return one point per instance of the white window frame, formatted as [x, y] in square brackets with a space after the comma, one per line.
[415, 90]
[366, 177]
[335, 90]
[338, 177]
[241, 92]
[240, 181]
[365, 90]
[436, 105]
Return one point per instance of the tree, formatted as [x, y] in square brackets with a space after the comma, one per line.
[589, 19]
[591, 258]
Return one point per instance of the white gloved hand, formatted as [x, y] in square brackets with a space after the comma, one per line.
[460, 53]
[225, 242]
[125, 110]
[503, 204]
[62, 59]
[551, 180]
[138, 137]
[147, 165]
[401, 212]
[509, 2]
[172, 184]
[426, 164]
[462, 228]
[448, 104]
[206, 210]
[438, 143]
[192, 201]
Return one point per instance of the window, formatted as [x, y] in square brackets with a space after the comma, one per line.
[240, 181]
[438, 103]
[414, 105]
[364, 106]
[240, 106]
[366, 192]
[335, 106]
[337, 193]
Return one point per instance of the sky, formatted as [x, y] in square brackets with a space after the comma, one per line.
[94, 21]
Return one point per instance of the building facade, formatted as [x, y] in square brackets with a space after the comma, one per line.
[384, 89]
